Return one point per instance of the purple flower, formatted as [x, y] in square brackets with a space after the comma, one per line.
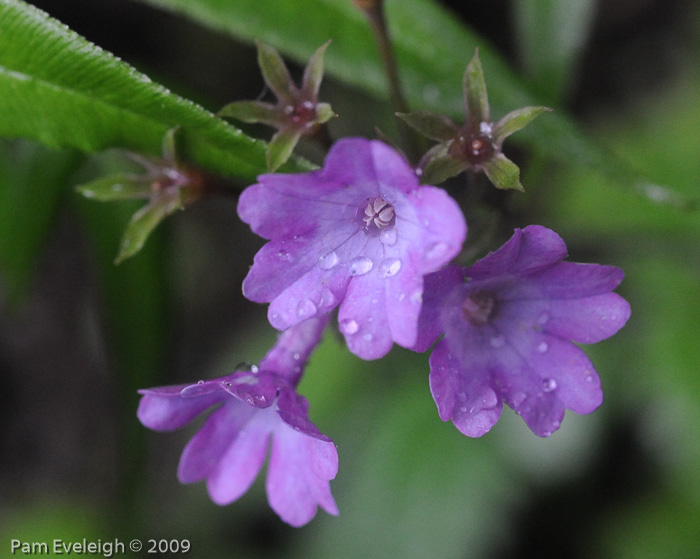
[359, 233]
[509, 321]
[252, 407]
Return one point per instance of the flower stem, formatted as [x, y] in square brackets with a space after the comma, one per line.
[374, 10]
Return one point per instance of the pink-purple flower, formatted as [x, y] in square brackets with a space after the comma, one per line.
[359, 234]
[252, 407]
[509, 322]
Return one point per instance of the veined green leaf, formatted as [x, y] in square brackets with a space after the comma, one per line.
[432, 49]
[59, 89]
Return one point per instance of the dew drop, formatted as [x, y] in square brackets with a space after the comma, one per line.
[490, 399]
[388, 236]
[200, 382]
[498, 341]
[367, 337]
[462, 397]
[306, 309]
[360, 266]
[296, 357]
[437, 250]
[518, 398]
[260, 398]
[284, 254]
[549, 384]
[543, 347]
[327, 298]
[401, 297]
[349, 326]
[390, 267]
[328, 261]
[463, 409]
[543, 319]
[417, 297]
[375, 301]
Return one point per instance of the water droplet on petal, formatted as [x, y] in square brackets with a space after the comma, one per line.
[260, 398]
[200, 382]
[498, 341]
[462, 397]
[367, 337]
[388, 236]
[543, 347]
[284, 254]
[360, 266]
[518, 398]
[306, 309]
[349, 326]
[328, 261]
[543, 319]
[390, 267]
[549, 384]
[437, 250]
[327, 298]
[296, 357]
[417, 297]
[490, 399]
[463, 409]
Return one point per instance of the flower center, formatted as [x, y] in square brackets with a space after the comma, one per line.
[377, 215]
[476, 148]
[301, 114]
[479, 307]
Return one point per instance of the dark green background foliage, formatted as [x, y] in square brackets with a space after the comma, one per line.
[614, 169]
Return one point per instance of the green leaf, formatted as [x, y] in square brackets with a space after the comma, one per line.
[313, 73]
[59, 89]
[432, 47]
[252, 111]
[476, 101]
[275, 72]
[503, 173]
[516, 120]
[142, 225]
[33, 181]
[324, 113]
[123, 186]
[281, 148]
[431, 125]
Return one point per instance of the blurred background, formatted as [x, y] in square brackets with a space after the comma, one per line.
[79, 336]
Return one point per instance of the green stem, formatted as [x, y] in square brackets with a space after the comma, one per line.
[374, 9]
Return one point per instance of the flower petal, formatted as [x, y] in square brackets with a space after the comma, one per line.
[239, 465]
[294, 490]
[463, 393]
[363, 317]
[203, 452]
[528, 249]
[162, 409]
[588, 320]
[368, 164]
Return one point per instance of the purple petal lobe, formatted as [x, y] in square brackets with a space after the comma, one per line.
[462, 393]
[205, 449]
[293, 488]
[239, 465]
[163, 409]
